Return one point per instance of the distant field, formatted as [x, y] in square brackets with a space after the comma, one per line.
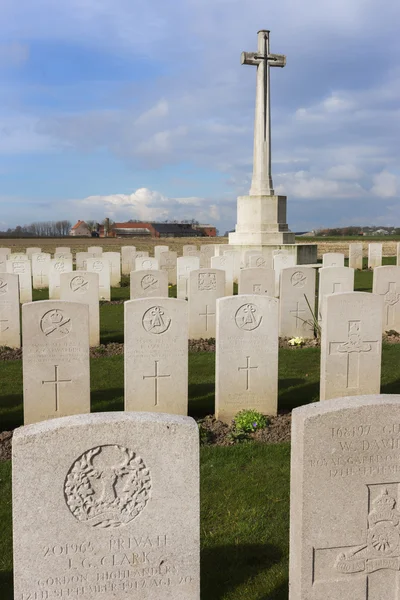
[176, 244]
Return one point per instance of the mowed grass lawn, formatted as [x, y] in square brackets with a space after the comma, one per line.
[244, 488]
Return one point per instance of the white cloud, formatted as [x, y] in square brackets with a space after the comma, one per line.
[345, 171]
[386, 185]
[303, 184]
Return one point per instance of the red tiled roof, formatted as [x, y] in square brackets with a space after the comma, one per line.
[78, 224]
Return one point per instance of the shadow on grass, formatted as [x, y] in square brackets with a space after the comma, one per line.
[112, 336]
[12, 415]
[391, 388]
[6, 585]
[107, 400]
[224, 568]
[296, 392]
[201, 399]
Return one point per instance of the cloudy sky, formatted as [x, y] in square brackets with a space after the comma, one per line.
[135, 109]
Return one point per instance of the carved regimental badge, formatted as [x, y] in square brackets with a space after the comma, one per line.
[107, 486]
[207, 282]
[248, 317]
[149, 282]
[298, 279]
[79, 284]
[155, 320]
[55, 324]
[3, 286]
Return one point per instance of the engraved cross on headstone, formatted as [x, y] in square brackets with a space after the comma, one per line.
[3, 328]
[391, 298]
[353, 347]
[56, 382]
[247, 368]
[296, 314]
[206, 315]
[261, 184]
[156, 377]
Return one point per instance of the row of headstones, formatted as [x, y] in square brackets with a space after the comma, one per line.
[56, 378]
[107, 504]
[297, 316]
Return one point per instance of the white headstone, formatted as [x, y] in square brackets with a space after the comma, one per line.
[95, 250]
[63, 250]
[356, 256]
[397, 254]
[5, 251]
[386, 283]
[374, 255]
[10, 330]
[189, 250]
[146, 263]
[40, 270]
[220, 248]
[114, 259]
[237, 263]
[158, 250]
[205, 286]
[206, 252]
[127, 259]
[333, 280]
[83, 287]
[56, 267]
[81, 258]
[185, 264]
[156, 355]
[246, 356]
[63, 256]
[148, 284]
[344, 500]
[106, 506]
[22, 268]
[138, 255]
[33, 250]
[55, 340]
[258, 261]
[282, 261]
[17, 256]
[351, 345]
[257, 281]
[168, 263]
[225, 263]
[333, 259]
[101, 266]
[297, 302]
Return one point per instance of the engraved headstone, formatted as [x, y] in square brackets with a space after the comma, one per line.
[63, 256]
[95, 250]
[106, 506]
[83, 287]
[220, 248]
[56, 267]
[258, 261]
[386, 283]
[23, 269]
[4, 252]
[351, 345]
[40, 270]
[282, 261]
[33, 250]
[136, 255]
[237, 262]
[101, 266]
[374, 255]
[148, 284]
[185, 264]
[225, 263]
[257, 281]
[246, 356]
[356, 256]
[127, 259]
[55, 340]
[167, 263]
[10, 330]
[114, 259]
[146, 263]
[297, 302]
[345, 500]
[205, 286]
[81, 258]
[62, 250]
[189, 250]
[156, 355]
[333, 259]
[333, 280]
[158, 250]
[18, 256]
[206, 252]
[247, 256]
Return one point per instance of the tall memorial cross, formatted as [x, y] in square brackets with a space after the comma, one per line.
[261, 184]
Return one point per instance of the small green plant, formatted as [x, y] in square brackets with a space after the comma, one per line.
[296, 341]
[205, 435]
[249, 420]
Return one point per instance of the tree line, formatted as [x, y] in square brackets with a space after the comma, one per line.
[40, 229]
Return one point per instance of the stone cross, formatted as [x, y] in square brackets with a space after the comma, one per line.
[56, 382]
[261, 184]
[247, 369]
[207, 314]
[156, 377]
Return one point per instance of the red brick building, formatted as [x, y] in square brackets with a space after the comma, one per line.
[156, 230]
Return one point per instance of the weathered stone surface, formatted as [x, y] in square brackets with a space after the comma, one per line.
[40, 270]
[246, 355]
[149, 284]
[33, 250]
[206, 252]
[356, 256]
[237, 262]
[333, 259]
[156, 355]
[83, 287]
[56, 267]
[55, 339]
[219, 249]
[10, 330]
[168, 263]
[257, 281]
[282, 261]
[225, 263]
[190, 250]
[344, 499]
[23, 269]
[297, 295]
[146, 263]
[107, 506]
[258, 261]
[63, 256]
[81, 258]
[205, 286]
[114, 259]
[128, 254]
[63, 249]
[374, 255]
[333, 280]
[18, 256]
[95, 250]
[158, 250]
[138, 255]
[185, 264]
[351, 345]
[101, 266]
[5, 251]
[386, 283]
